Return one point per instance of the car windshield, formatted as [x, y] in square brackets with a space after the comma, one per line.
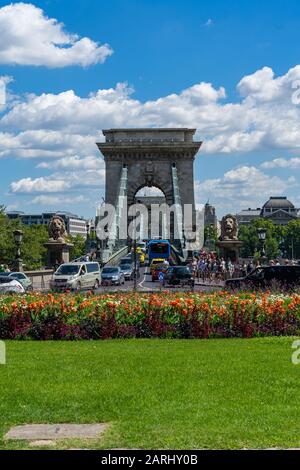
[126, 267]
[182, 270]
[256, 274]
[67, 270]
[159, 266]
[110, 270]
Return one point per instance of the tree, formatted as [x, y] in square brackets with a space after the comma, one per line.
[251, 244]
[291, 239]
[7, 244]
[79, 248]
[210, 236]
[32, 248]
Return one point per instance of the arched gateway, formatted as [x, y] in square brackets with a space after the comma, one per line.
[163, 158]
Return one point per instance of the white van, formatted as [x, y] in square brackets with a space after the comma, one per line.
[76, 276]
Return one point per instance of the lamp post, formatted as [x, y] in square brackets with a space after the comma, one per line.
[18, 236]
[87, 229]
[262, 238]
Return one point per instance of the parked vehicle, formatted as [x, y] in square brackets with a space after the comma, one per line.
[112, 275]
[21, 277]
[76, 276]
[266, 276]
[10, 285]
[178, 275]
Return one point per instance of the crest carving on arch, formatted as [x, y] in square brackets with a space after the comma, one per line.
[149, 173]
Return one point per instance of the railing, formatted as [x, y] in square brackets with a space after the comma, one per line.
[40, 279]
[115, 258]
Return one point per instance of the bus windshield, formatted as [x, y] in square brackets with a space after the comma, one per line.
[161, 248]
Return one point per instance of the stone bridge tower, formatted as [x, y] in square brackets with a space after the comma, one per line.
[151, 157]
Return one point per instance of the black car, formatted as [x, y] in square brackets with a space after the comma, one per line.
[178, 275]
[267, 276]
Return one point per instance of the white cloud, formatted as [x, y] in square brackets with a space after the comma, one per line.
[57, 200]
[28, 37]
[290, 163]
[4, 96]
[41, 185]
[60, 182]
[241, 188]
[263, 118]
[44, 143]
[209, 22]
[73, 163]
[65, 127]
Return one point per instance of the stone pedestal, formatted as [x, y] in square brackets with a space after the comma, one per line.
[57, 253]
[229, 249]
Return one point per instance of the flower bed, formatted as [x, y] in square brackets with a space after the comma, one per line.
[139, 315]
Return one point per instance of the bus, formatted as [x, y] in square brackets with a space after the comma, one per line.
[159, 249]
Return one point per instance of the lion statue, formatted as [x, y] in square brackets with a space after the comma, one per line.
[57, 229]
[229, 227]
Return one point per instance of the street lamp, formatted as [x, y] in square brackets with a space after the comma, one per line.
[262, 238]
[87, 229]
[18, 236]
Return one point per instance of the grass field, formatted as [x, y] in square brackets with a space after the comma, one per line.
[157, 393]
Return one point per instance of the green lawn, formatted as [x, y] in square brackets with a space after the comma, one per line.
[157, 393]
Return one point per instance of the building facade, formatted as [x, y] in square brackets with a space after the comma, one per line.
[278, 209]
[246, 216]
[210, 218]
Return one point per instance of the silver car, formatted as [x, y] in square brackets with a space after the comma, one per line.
[10, 286]
[127, 270]
[22, 278]
[112, 275]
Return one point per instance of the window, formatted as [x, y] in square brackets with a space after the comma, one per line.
[110, 270]
[83, 271]
[93, 267]
[67, 270]
[159, 248]
[257, 274]
[17, 276]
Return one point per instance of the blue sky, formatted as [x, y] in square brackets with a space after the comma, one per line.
[226, 68]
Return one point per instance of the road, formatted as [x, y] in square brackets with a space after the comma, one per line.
[144, 284]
